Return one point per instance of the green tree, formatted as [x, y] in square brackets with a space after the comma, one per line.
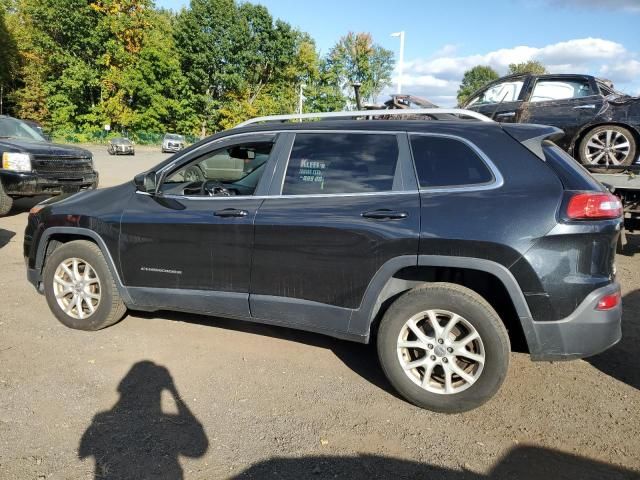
[474, 79]
[8, 56]
[532, 66]
[355, 58]
[239, 62]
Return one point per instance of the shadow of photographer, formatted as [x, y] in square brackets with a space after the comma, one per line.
[136, 439]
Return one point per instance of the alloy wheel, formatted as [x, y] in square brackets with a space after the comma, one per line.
[607, 147]
[441, 351]
[77, 289]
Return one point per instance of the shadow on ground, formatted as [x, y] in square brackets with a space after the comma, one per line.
[136, 439]
[620, 362]
[6, 236]
[523, 463]
[360, 358]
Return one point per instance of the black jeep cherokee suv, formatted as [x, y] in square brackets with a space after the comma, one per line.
[445, 241]
[32, 166]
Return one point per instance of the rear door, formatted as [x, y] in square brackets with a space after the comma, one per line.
[345, 203]
[564, 102]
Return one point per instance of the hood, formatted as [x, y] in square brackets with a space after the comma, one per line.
[42, 148]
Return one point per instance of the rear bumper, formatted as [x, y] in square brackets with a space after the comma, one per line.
[585, 332]
[31, 184]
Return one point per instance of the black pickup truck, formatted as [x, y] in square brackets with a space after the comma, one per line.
[32, 166]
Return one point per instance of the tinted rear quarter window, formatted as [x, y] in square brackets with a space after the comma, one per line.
[447, 162]
[572, 175]
[322, 163]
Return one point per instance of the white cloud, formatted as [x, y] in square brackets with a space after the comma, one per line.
[439, 76]
[624, 72]
[627, 5]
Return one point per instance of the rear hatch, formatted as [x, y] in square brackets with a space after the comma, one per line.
[577, 256]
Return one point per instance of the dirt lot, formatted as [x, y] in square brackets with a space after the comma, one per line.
[171, 395]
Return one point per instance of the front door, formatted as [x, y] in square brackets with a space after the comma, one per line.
[347, 204]
[190, 245]
[501, 101]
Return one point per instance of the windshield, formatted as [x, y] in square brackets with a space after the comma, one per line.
[14, 128]
[172, 136]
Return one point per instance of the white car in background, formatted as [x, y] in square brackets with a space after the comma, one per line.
[172, 142]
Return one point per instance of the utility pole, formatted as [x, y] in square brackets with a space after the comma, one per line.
[401, 59]
[1, 97]
[301, 99]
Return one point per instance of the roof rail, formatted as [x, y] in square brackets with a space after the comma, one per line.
[368, 113]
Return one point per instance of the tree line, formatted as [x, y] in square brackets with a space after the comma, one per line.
[82, 64]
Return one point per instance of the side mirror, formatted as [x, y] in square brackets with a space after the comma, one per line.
[146, 182]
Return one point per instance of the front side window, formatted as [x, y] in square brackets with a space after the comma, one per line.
[228, 171]
[501, 92]
[548, 90]
[322, 163]
[447, 162]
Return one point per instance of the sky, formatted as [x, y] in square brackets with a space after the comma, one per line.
[445, 38]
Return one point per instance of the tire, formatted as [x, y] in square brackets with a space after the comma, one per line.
[6, 202]
[608, 145]
[108, 309]
[474, 314]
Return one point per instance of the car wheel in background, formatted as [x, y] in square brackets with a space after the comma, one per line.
[608, 146]
[6, 202]
[80, 288]
[443, 348]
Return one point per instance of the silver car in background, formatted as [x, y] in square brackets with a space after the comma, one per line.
[172, 143]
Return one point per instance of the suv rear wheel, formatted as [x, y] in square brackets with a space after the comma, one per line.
[79, 287]
[443, 348]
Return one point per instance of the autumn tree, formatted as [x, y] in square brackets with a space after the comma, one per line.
[474, 79]
[357, 59]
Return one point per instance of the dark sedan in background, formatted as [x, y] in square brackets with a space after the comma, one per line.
[121, 146]
[601, 125]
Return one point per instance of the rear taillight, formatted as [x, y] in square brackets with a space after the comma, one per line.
[595, 205]
[609, 301]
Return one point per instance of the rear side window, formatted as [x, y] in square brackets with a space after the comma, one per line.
[573, 175]
[341, 163]
[447, 162]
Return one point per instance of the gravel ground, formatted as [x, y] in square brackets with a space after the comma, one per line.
[172, 395]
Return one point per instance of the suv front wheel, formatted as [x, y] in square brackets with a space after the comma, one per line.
[443, 348]
[80, 288]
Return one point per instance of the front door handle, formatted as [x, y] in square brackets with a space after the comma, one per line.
[231, 212]
[506, 114]
[385, 215]
[580, 107]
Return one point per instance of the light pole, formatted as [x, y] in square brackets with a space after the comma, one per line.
[301, 99]
[401, 59]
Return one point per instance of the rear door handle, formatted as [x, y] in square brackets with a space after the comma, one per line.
[231, 212]
[385, 215]
[581, 107]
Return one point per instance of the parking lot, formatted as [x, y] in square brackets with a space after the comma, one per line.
[216, 398]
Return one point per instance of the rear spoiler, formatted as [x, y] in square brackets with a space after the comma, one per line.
[532, 135]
